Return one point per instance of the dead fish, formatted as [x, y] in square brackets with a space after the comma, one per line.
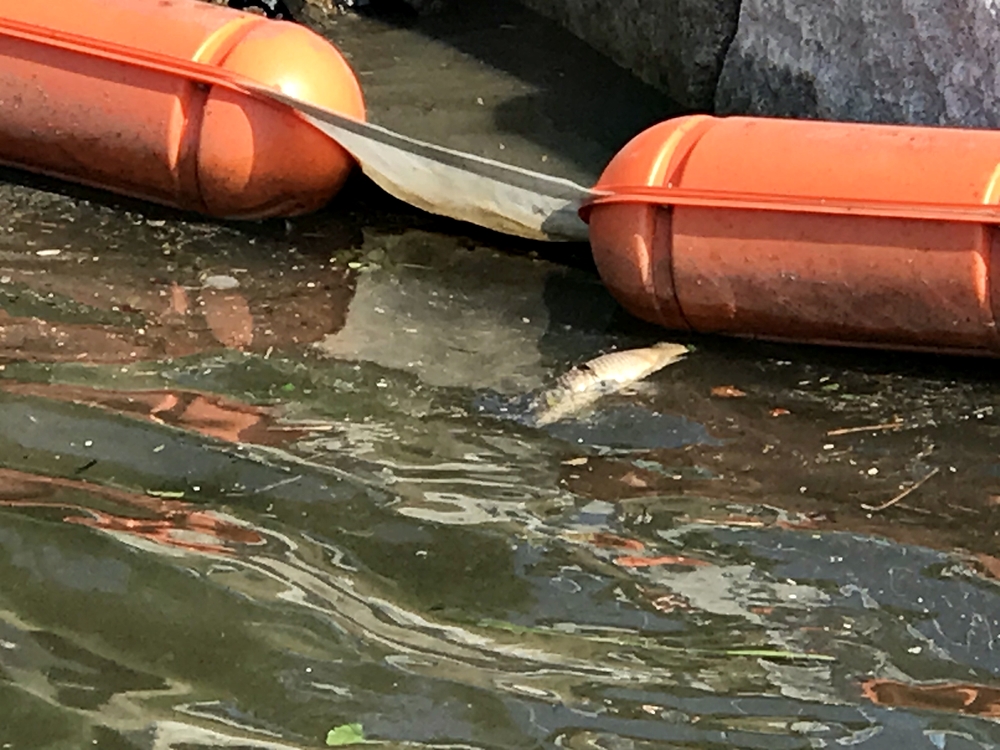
[585, 383]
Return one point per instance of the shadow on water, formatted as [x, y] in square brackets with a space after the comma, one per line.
[494, 79]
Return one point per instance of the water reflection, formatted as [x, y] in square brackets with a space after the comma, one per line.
[977, 700]
[535, 666]
[170, 523]
[171, 320]
[208, 414]
[247, 495]
[108, 304]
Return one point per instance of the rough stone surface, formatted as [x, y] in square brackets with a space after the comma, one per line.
[675, 45]
[908, 61]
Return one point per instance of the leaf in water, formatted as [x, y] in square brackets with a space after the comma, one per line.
[288, 387]
[345, 734]
[607, 540]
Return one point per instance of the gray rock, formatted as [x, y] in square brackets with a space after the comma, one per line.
[908, 61]
[677, 46]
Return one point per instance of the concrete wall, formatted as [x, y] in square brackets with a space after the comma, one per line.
[676, 45]
[908, 61]
[933, 62]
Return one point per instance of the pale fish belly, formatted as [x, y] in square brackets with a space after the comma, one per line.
[586, 383]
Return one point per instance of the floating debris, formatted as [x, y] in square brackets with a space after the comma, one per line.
[728, 391]
[220, 282]
[894, 425]
[629, 561]
[607, 540]
[912, 488]
[584, 384]
[345, 734]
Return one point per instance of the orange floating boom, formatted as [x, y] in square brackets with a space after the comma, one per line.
[807, 231]
[138, 97]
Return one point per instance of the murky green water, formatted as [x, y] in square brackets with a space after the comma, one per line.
[243, 516]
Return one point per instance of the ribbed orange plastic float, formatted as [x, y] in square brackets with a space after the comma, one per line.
[807, 231]
[131, 96]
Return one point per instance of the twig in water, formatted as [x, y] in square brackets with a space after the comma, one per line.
[915, 509]
[865, 428]
[904, 493]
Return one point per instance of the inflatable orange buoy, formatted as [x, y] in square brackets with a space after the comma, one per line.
[134, 96]
[808, 231]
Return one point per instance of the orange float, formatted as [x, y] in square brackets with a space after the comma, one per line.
[808, 231]
[132, 96]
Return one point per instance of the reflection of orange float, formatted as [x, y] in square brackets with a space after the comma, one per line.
[807, 231]
[100, 92]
